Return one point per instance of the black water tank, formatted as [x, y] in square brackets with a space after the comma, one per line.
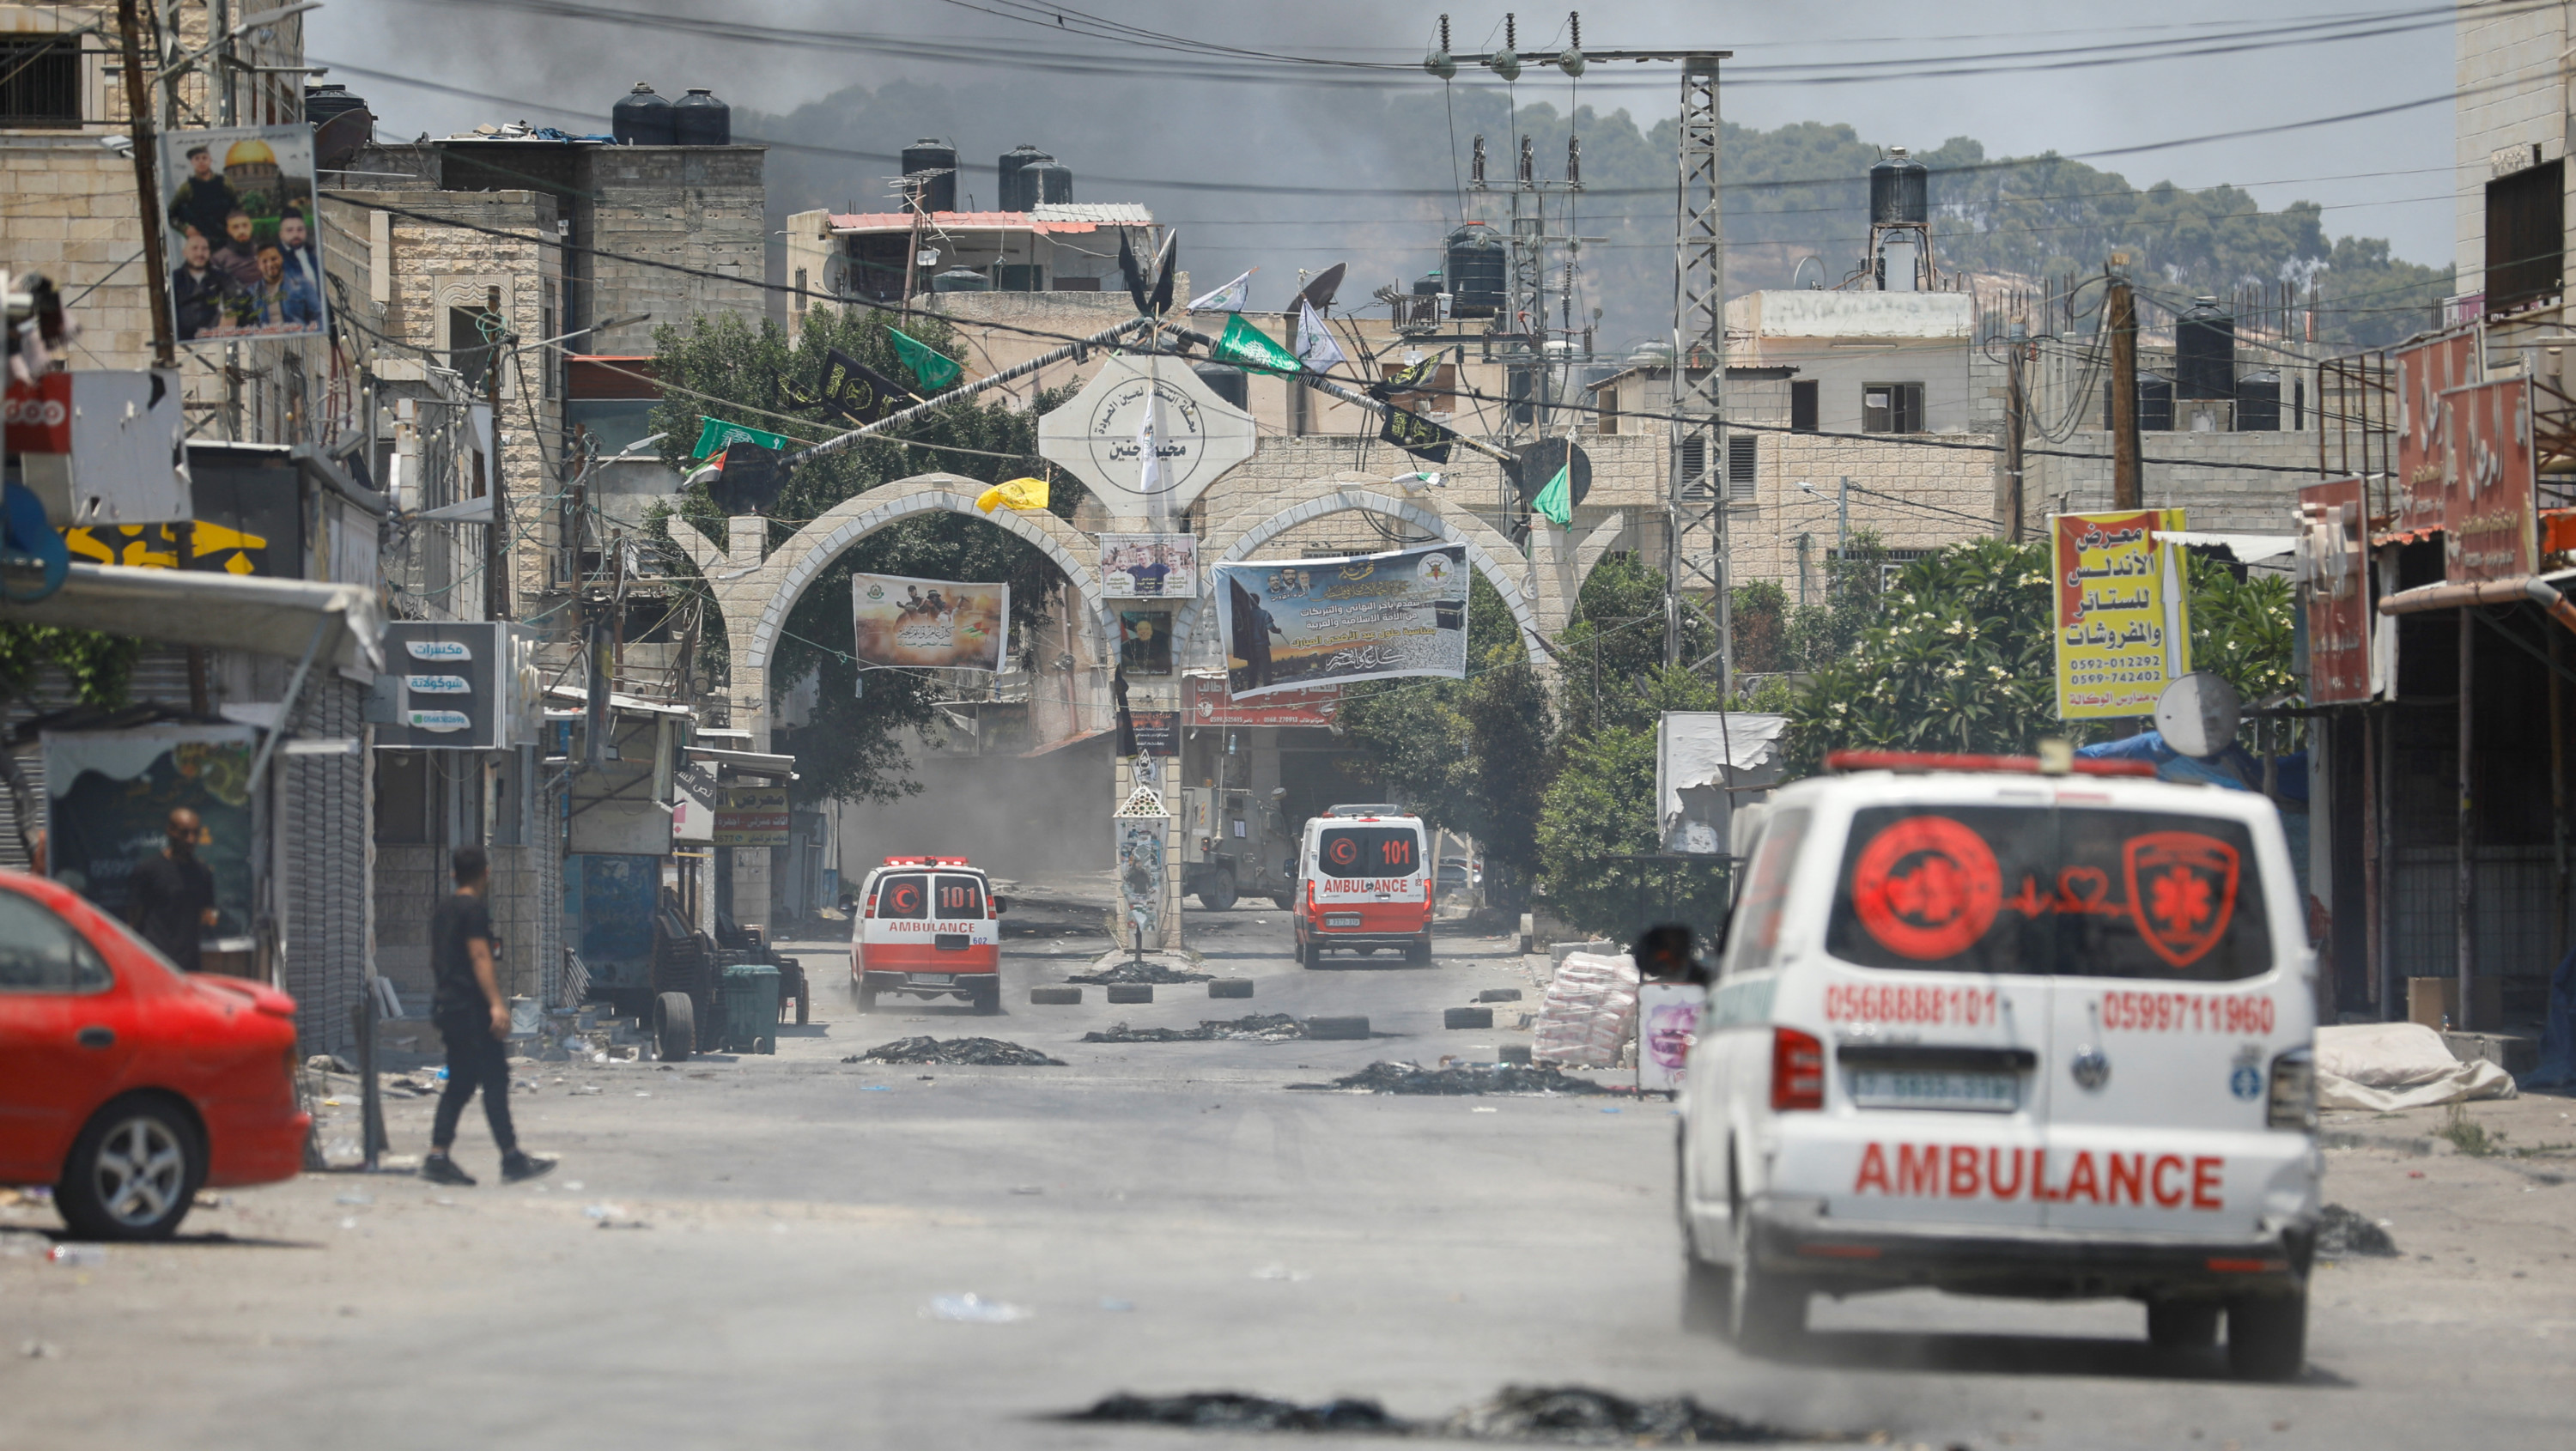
[699, 119]
[641, 118]
[1016, 195]
[2258, 402]
[961, 279]
[1226, 383]
[938, 193]
[1899, 191]
[1428, 285]
[1476, 264]
[2155, 403]
[322, 103]
[1050, 182]
[2205, 352]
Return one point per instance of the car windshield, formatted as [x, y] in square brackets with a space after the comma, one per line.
[1369, 851]
[2069, 891]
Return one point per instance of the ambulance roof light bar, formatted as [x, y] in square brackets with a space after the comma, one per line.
[1916, 763]
[926, 861]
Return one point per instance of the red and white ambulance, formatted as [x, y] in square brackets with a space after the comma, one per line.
[1363, 882]
[2001, 1032]
[929, 926]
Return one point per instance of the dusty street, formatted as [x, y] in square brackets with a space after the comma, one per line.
[743, 1251]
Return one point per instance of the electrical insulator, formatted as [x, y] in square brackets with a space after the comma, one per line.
[1476, 176]
[1507, 64]
[1574, 161]
[1529, 163]
[1438, 62]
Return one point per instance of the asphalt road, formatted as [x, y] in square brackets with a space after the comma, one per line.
[1173, 1218]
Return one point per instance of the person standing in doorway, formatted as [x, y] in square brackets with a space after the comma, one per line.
[173, 899]
[474, 1018]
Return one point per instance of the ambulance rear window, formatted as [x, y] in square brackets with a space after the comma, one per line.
[905, 896]
[1369, 851]
[960, 897]
[2074, 892]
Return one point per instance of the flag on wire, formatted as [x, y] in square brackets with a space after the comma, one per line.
[1229, 298]
[1149, 457]
[1246, 346]
[1315, 346]
[1163, 283]
[1556, 501]
[935, 370]
[1416, 435]
[1016, 494]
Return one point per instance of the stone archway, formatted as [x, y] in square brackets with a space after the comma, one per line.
[756, 591]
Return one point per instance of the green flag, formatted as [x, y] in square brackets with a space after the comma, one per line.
[1246, 346]
[716, 435]
[934, 371]
[1556, 501]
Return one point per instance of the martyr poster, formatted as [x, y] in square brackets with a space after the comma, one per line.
[929, 624]
[244, 241]
[1292, 624]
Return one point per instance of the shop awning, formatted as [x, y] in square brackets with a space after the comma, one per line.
[2538, 589]
[756, 763]
[223, 611]
[2247, 548]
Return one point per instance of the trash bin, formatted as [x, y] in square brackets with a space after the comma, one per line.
[751, 1007]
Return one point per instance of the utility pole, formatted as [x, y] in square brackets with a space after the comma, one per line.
[496, 532]
[1842, 522]
[2016, 408]
[2120, 320]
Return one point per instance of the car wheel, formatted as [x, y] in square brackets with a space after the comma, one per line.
[1283, 901]
[1418, 952]
[1308, 954]
[1218, 895]
[133, 1172]
[1764, 1311]
[2182, 1324]
[867, 999]
[675, 1026]
[2267, 1336]
[987, 1000]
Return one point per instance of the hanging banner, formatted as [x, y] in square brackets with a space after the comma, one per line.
[1295, 623]
[715, 435]
[1209, 705]
[1149, 566]
[1158, 732]
[2487, 482]
[930, 624]
[2333, 576]
[2423, 374]
[245, 245]
[2123, 627]
[108, 799]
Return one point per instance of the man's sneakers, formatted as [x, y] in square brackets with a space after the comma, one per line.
[440, 1169]
[518, 1168]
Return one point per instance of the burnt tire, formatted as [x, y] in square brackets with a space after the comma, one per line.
[133, 1172]
[2267, 1336]
[675, 1027]
[1217, 894]
[2182, 1324]
[1229, 987]
[1050, 997]
[1466, 1017]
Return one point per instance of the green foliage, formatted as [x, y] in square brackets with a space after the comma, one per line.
[1819, 634]
[853, 749]
[98, 666]
[2241, 630]
[1601, 806]
[1616, 638]
[1761, 621]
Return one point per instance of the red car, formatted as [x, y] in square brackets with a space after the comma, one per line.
[126, 1084]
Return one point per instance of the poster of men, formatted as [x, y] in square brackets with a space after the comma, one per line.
[930, 624]
[1149, 566]
[244, 240]
[1294, 623]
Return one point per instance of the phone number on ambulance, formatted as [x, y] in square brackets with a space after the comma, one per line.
[1934, 1005]
[2184, 1013]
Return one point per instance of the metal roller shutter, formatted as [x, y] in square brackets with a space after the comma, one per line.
[323, 813]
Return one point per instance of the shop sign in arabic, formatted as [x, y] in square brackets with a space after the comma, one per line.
[2122, 630]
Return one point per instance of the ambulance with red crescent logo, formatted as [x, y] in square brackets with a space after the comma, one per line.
[928, 926]
[1363, 883]
[2004, 1031]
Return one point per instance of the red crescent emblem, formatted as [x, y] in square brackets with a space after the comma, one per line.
[1927, 888]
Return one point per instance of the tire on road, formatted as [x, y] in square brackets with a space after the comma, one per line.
[1131, 992]
[1217, 892]
[1055, 997]
[1499, 995]
[1467, 1017]
[675, 1027]
[2182, 1324]
[2267, 1336]
[1337, 1028]
[1230, 987]
[133, 1172]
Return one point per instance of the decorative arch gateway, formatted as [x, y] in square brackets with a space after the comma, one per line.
[1538, 589]
[756, 593]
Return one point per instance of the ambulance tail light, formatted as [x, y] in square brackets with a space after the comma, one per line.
[1797, 1071]
[2294, 1092]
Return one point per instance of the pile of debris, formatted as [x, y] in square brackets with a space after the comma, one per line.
[1131, 971]
[1561, 1415]
[982, 1052]
[1232, 1411]
[1258, 1028]
[2342, 1234]
[1464, 1078]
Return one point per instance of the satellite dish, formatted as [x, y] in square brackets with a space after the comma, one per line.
[2198, 714]
[1320, 291]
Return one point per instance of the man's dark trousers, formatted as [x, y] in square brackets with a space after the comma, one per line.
[475, 1059]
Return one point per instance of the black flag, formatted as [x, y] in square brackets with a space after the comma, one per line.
[1135, 275]
[1126, 719]
[1411, 378]
[856, 393]
[1163, 284]
[1417, 435]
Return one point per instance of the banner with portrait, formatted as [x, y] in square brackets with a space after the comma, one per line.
[244, 240]
[929, 624]
[1149, 566]
[1290, 624]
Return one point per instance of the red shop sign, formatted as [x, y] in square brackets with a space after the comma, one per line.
[2338, 591]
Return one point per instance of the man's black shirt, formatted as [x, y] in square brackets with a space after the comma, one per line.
[170, 901]
[459, 920]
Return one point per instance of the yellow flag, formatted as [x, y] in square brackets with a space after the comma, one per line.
[1017, 494]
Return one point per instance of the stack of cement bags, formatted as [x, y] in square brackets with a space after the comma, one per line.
[1590, 1012]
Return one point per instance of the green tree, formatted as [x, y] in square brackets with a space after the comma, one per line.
[1600, 808]
[98, 666]
[1616, 639]
[1817, 635]
[853, 747]
[1761, 624]
[2241, 629]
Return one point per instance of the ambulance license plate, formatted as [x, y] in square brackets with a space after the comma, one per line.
[941, 979]
[952, 941]
[1341, 919]
[1935, 1088]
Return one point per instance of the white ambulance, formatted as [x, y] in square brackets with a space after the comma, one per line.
[2001, 1032]
[1363, 883]
[931, 927]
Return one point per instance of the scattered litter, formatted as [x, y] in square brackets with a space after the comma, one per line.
[38, 1194]
[876, 1088]
[40, 1350]
[623, 1224]
[331, 1103]
[445, 1201]
[602, 1211]
[988, 1052]
[78, 1256]
[973, 1310]
[529, 1084]
[1148, 972]
[1282, 1272]
[349, 1223]
[19, 1243]
[571, 1184]
[1028, 1189]
[589, 1088]
[1385, 1077]
[354, 1197]
[2342, 1233]
[209, 1199]
[1259, 1027]
[1609, 1110]
[1585, 1416]
[1231, 1411]
[1484, 1110]
[640, 1093]
[1118, 1306]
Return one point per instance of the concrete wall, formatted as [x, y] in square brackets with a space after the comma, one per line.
[696, 206]
[2512, 97]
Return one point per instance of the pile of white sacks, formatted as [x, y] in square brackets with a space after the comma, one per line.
[1589, 1016]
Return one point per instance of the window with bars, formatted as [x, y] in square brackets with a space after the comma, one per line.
[1891, 407]
[40, 82]
[1743, 458]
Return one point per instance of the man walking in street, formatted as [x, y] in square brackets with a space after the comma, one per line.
[173, 894]
[474, 1018]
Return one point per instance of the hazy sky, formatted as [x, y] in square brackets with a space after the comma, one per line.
[2386, 176]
